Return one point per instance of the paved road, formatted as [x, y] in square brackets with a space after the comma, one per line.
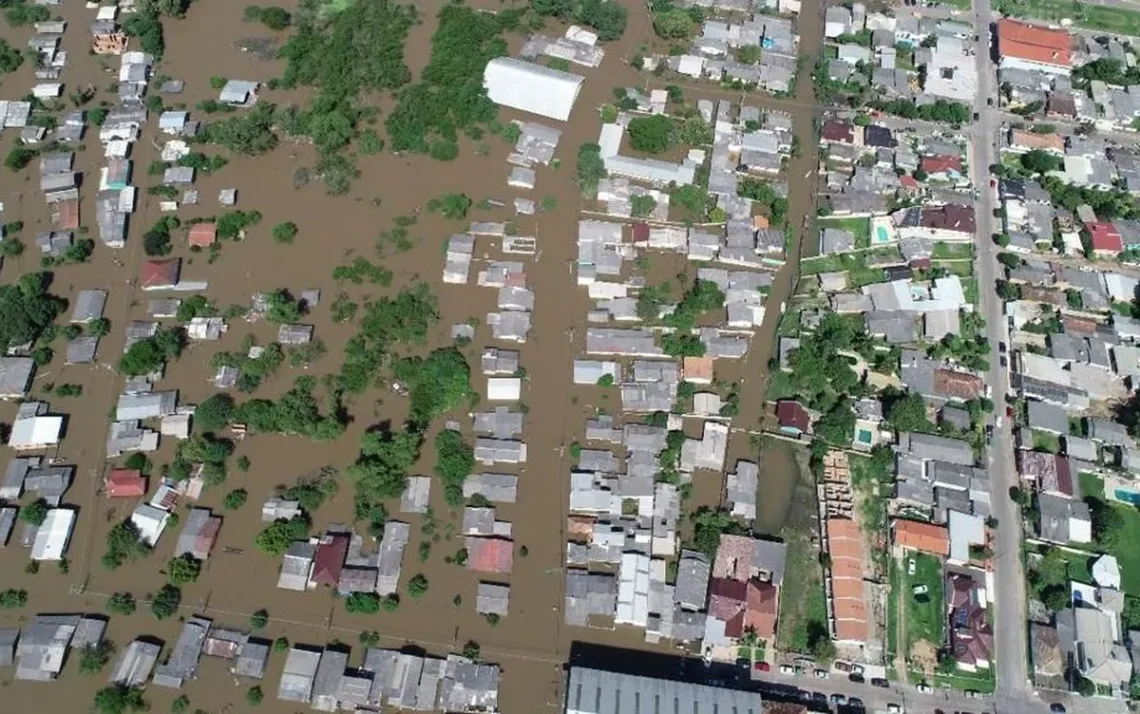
[1009, 581]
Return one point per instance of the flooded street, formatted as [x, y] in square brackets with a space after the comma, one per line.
[531, 643]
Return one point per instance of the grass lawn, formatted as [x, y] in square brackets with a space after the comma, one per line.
[970, 290]
[1109, 19]
[1046, 441]
[873, 509]
[854, 264]
[859, 226]
[953, 250]
[980, 681]
[1125, 550]
[779, 386]
[961, 268]
[893, 611]
[959, 4]
[924, 613]
[803, 606]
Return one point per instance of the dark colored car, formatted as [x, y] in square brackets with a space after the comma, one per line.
[880, 682]
[1057, 707]
[855, 677]
[854, 703]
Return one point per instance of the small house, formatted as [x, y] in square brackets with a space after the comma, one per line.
[793, 418]
[202, 235]
[237, 92]
[295, 334]
[198, 534]
[53, 535]
[125, 483]
[15, 376]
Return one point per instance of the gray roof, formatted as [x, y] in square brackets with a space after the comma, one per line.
[594, 691]
[88, 631]
[692, 580]
[43, 646]
[771, 557]
[183, 662]
[327, 679]
[134, 664]
[297, 678]
[589, 594]
[492, 598]
[200, 522]
[15, 375]
[8, 638]
[1048, 417]
[941, 448]
[501, 488]
[1080, 448]
[89, 305]
[295, 566]
[1110, 432]
[81, 350]
[468, 686]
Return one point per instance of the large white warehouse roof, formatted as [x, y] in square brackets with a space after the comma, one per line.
[531, 87]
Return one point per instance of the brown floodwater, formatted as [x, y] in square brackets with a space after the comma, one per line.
[531, 643]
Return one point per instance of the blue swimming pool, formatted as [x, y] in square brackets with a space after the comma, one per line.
[1128, 496]
[881, 234]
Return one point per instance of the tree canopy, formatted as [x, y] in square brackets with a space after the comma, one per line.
[454, 462]
[607, 17]
[652, 134]
[437, 384]
[281, 534]
[26, 308]
[149, 355]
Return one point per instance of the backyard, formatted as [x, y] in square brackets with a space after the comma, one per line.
[1119, 540]
[855, 265]
[860, 227]
[925, 614]
[803, 606]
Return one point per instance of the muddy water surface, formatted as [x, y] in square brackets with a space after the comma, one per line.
[531, 643]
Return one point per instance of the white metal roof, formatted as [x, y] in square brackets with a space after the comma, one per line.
[531, 87]
[52, 536]
[35, 432]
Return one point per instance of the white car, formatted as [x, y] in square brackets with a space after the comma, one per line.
[910, 567]
[923, 688]
[821, 674]
[921, 589]
[787, 669]
[894, 709]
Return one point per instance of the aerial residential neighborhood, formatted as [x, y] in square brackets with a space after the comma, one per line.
[764, 355]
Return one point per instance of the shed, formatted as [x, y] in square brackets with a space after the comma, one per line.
[15, 376]
[492, 599]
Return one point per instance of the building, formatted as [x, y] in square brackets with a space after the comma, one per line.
[848, 600]
[1105, 239]
[43, 646]
[134, 664]
[202, 235]
[296, 566]
[15, 376]
[595, 691]
[198, 534]
[923, 537]
[1033, 48]
[793, 418]
[182, 663]
[53, 535]
[160, 274]
[329, 560]
[531, 87]
[489, 555]
[300, 671]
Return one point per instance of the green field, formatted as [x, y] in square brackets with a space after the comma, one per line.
[1096, 17]
[951, 251]
[925, 614]
[855, 265]
[1125, 540]
[803, 605]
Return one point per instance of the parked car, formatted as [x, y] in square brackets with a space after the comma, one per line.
[855, 677]
[854, 703]
[819, 697]
[894, 709]
[857, 668]
[762, 667]
[923, 687]
[841, 666]
[787, 669]
[821, 674]
[880, 682]
[1057, 707]
[910, 567]
[838, 700]
[973, 694]
[920, 589]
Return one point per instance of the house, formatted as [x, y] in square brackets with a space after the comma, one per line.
[297, 566]
[923, 537]
[793, 418]
[34, 428]
[300, 671]
[1047, 417]
[88, 306]
[160, 274]
[198, 534]
[966, 530]
[150, 522]
[329, 560]
[1106, 572]
[1048, 657]
[125, 483]
[182, 663]
[202, 235]
[1106, 241]
[1098, 654]
[53, 535]
[238, 92]
[251, 659]
[971, 636]
[15, 376]
[295, 334]
[134, 664]
[43, 645]
[489, 555]
[1063, 520]
[492, 599]
[693, 573]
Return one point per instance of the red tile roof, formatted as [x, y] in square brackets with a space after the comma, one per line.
[924, 537]
[960, 385]
[330, 560]
[941, 164]
[1105, 237]
[950, 217]
[760, 608]
[845, 546]
[838, 131]
[1033, 43]
[125, 483]
[203, 234]
[793, 414]
[65, 215]
[490, 555]
[158, 273]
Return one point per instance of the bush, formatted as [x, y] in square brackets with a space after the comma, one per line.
[254, 695]
[259, 619]
[119, 699]
[166, 601]
[123, 543]
[273, 17]
[12, 599]
[121, 604]
[652, 134]
[362, 603]
[93, 658]
[277, 538]
[280, 644]
[284, 232]
[35, 513]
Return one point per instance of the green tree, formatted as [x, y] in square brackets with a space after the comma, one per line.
[119, 699]
[166, 601]
[450, 205]
[908, 413]
[471, 650]
[673, 24]
[124, 543]
[362, 603]
[282, 307]
[259, 619]
[254, 695]
[277, 538]
[35, 513]
[273, 17]
[183, 570]
[418, 586]
[709, 525]
[93, 658]
[235, 499]
[591, 168]
[653, 134]
[26, 309]
[455, 460]
[12, 599]
[215, 413]
[180, 705]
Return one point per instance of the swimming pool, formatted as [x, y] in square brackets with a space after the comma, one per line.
[864, 436]
[882, 235]
[1128, 496]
